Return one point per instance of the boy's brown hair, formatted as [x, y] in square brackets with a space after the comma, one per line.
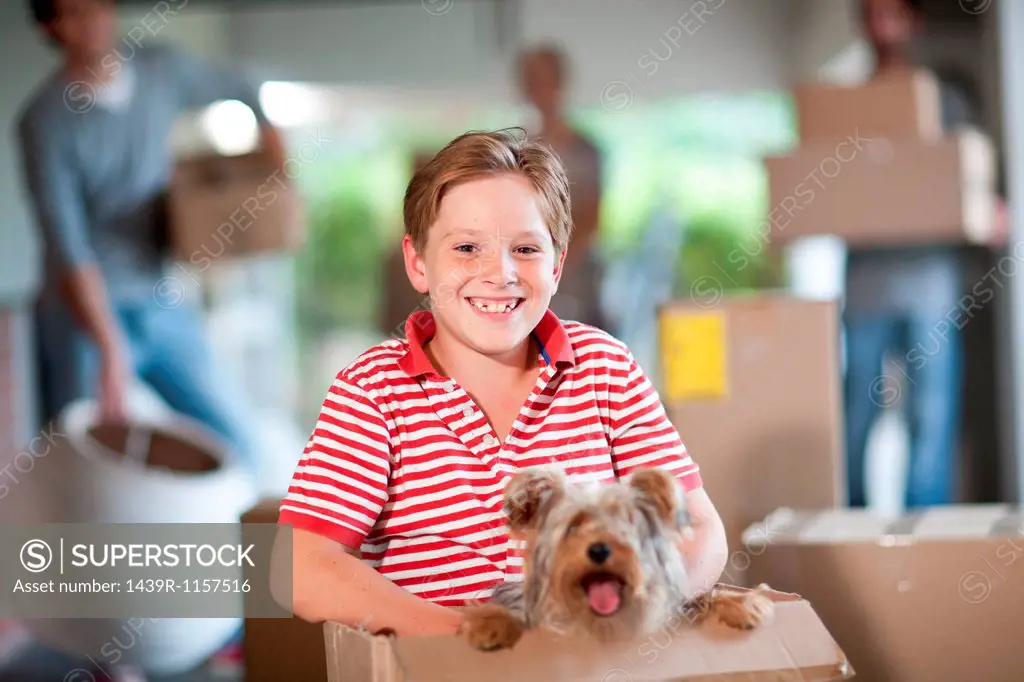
[475, 155]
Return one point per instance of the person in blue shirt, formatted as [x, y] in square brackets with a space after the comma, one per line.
[905, 302]
[96, 159]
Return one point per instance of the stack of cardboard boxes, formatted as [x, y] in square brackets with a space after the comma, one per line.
[752, 384]
[876, 168]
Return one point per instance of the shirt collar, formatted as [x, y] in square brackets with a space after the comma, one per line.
[117, 93]
[420, 327]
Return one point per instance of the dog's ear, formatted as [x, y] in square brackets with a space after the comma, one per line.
[661, 492]
[527, 494]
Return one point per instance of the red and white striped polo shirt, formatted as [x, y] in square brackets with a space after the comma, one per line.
[403, 464]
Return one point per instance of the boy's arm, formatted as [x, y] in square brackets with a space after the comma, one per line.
[330, 583]
[643, 437]
[336, 495]
[707, 551]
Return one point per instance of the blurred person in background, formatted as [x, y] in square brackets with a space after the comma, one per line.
[543, 81]
[896, 299]
[96, 159]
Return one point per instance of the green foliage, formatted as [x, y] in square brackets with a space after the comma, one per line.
[339, 270]
[717, 253]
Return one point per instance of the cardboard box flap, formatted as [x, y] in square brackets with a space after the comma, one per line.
[892, 190]
[213, 171]
[794, 645]
[904, 104]
[952, 522]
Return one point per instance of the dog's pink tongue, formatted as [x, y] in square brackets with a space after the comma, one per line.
[604, 596]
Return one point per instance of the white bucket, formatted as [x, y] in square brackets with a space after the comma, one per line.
[85, 479]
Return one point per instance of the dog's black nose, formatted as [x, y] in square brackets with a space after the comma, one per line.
[598, 552]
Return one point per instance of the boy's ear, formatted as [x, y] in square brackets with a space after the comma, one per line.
[559, 265]
[528, 493]
[415, 269]
[661, 492]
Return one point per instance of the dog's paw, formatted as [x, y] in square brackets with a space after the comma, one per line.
[490, 627]
[699, 608]
[743, 610]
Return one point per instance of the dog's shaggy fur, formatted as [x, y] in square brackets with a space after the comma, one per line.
[602, 561]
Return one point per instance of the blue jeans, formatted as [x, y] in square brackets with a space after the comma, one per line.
[927, 387]
[168, 352]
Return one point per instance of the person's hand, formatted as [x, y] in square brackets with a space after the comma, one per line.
[113, 388]
[444, 621]
[1001, 229]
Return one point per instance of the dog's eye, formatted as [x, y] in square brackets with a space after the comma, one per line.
[574, 524]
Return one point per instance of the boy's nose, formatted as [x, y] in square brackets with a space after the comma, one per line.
[499, 269]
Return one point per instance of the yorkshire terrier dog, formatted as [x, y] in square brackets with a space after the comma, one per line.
[601, 561]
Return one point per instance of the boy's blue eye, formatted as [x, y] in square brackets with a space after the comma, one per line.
[464, 248]
[528, 249]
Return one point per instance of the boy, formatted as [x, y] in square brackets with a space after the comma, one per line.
[417, 438]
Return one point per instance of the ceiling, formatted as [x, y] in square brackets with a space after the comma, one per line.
[243, 4]
[937, 10]
[945, 12]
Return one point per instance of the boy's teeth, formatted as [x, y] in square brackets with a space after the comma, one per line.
[493, 307]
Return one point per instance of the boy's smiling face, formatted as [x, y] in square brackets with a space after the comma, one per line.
[489, 264]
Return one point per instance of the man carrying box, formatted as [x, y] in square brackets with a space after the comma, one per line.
[96, 159]
[896, 302]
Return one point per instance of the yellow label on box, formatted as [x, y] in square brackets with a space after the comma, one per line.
[693, 354]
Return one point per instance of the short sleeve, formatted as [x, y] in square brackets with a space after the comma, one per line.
[340, 484]
[641, 434]
[54, 194]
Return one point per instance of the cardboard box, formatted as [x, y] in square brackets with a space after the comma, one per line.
[232, 206]
[278, 649]
[753, 386]
[902, 105]
[793, 646]
[915, 597]
[885, 191]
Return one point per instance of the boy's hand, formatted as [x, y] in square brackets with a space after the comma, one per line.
[448, 622]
